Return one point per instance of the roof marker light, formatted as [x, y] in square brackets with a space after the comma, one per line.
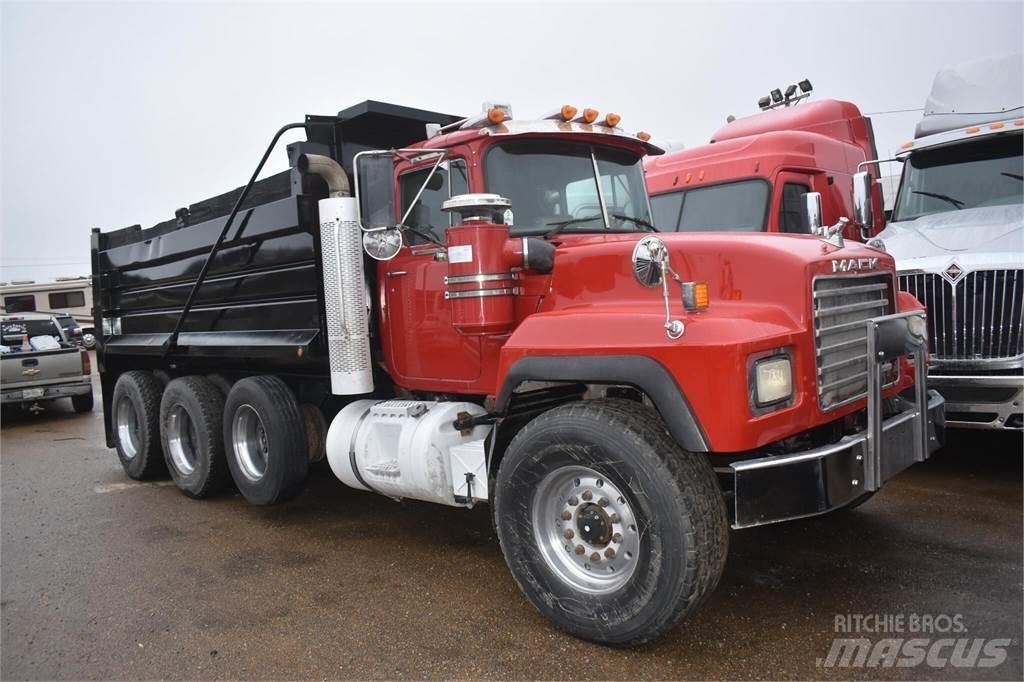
[589, 115]
[568, 112]
[496, 115]
[972, 129]
[906, 145]
[1019, 122]
[611, 120]
[644, 136]
[995, 126]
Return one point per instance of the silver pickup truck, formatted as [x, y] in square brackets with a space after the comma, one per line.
[29, 376]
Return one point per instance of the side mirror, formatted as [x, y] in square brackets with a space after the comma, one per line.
[863, 210]
[812, 212]
[375, 190]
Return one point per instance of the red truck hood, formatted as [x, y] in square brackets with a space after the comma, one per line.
[771, 268]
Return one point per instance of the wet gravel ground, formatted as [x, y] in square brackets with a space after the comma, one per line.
[104, 578]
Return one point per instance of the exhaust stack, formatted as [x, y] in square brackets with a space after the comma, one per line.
[341, 248]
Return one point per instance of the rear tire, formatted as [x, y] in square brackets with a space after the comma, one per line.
[82, 403]
[611, 530]
[265, 440]
[135, 420]
[191, 423]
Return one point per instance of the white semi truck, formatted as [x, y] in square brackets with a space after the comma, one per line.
[957, 233]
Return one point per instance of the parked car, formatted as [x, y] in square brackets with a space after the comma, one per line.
[39, 364]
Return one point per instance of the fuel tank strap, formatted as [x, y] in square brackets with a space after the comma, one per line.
[352, 453]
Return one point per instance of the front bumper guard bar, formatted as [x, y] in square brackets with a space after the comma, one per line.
[816, 481]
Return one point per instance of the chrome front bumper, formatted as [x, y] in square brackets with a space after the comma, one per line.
[791, 486]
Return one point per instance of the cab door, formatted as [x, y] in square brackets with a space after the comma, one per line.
[422, 349]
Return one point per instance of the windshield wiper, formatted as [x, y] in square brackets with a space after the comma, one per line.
[640, 222]
[425, 235]
[559, 225]
[956, 202]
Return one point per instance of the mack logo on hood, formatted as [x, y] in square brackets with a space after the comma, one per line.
[854, 264]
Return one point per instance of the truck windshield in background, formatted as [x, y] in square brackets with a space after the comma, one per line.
[729, 207]
[552, 182]
[974, 174]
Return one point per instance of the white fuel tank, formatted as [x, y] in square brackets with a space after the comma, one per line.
[410, 448]
[348, 328]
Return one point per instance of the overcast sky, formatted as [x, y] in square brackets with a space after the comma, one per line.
[116, 114]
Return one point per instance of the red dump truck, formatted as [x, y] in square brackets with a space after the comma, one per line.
[758, 172]
[482, 309]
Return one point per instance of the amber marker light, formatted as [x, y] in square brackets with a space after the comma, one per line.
[695, 296]
[568, 112]
[973, 129]
[996, 126]
[700, 295]
[612, 120]
[646, 137]
[495, 115]
[906, 145]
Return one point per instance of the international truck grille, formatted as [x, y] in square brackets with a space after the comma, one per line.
[977, 318]
[841, 306]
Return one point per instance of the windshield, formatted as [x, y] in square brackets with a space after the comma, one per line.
[551, 182]
[730, 207]
[983, 172]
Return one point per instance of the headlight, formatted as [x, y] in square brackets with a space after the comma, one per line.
[773, 380]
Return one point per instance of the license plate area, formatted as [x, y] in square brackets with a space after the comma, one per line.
[30, 393]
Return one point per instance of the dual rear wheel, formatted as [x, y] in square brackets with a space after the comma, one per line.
[203, 432]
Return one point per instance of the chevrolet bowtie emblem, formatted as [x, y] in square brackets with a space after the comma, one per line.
[29, 372]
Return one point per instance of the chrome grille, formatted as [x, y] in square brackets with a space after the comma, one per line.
[841, 307]
[976, 319]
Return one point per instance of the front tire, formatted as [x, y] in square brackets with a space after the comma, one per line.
[265, 440]
[191, 422]
[613, 532]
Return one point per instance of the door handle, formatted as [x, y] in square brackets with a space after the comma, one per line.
[397, 273]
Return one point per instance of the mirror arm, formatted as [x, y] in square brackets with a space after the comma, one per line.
[412, 204]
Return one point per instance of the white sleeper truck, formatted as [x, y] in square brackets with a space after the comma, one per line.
[957, 233]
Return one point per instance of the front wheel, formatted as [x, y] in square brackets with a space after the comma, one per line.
[613, 532]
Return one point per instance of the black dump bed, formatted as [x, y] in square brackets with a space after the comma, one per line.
[262, 295]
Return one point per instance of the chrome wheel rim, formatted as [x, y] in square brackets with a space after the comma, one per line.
[249, 440]
[127, 427]
[585, 529]
[182, 440]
